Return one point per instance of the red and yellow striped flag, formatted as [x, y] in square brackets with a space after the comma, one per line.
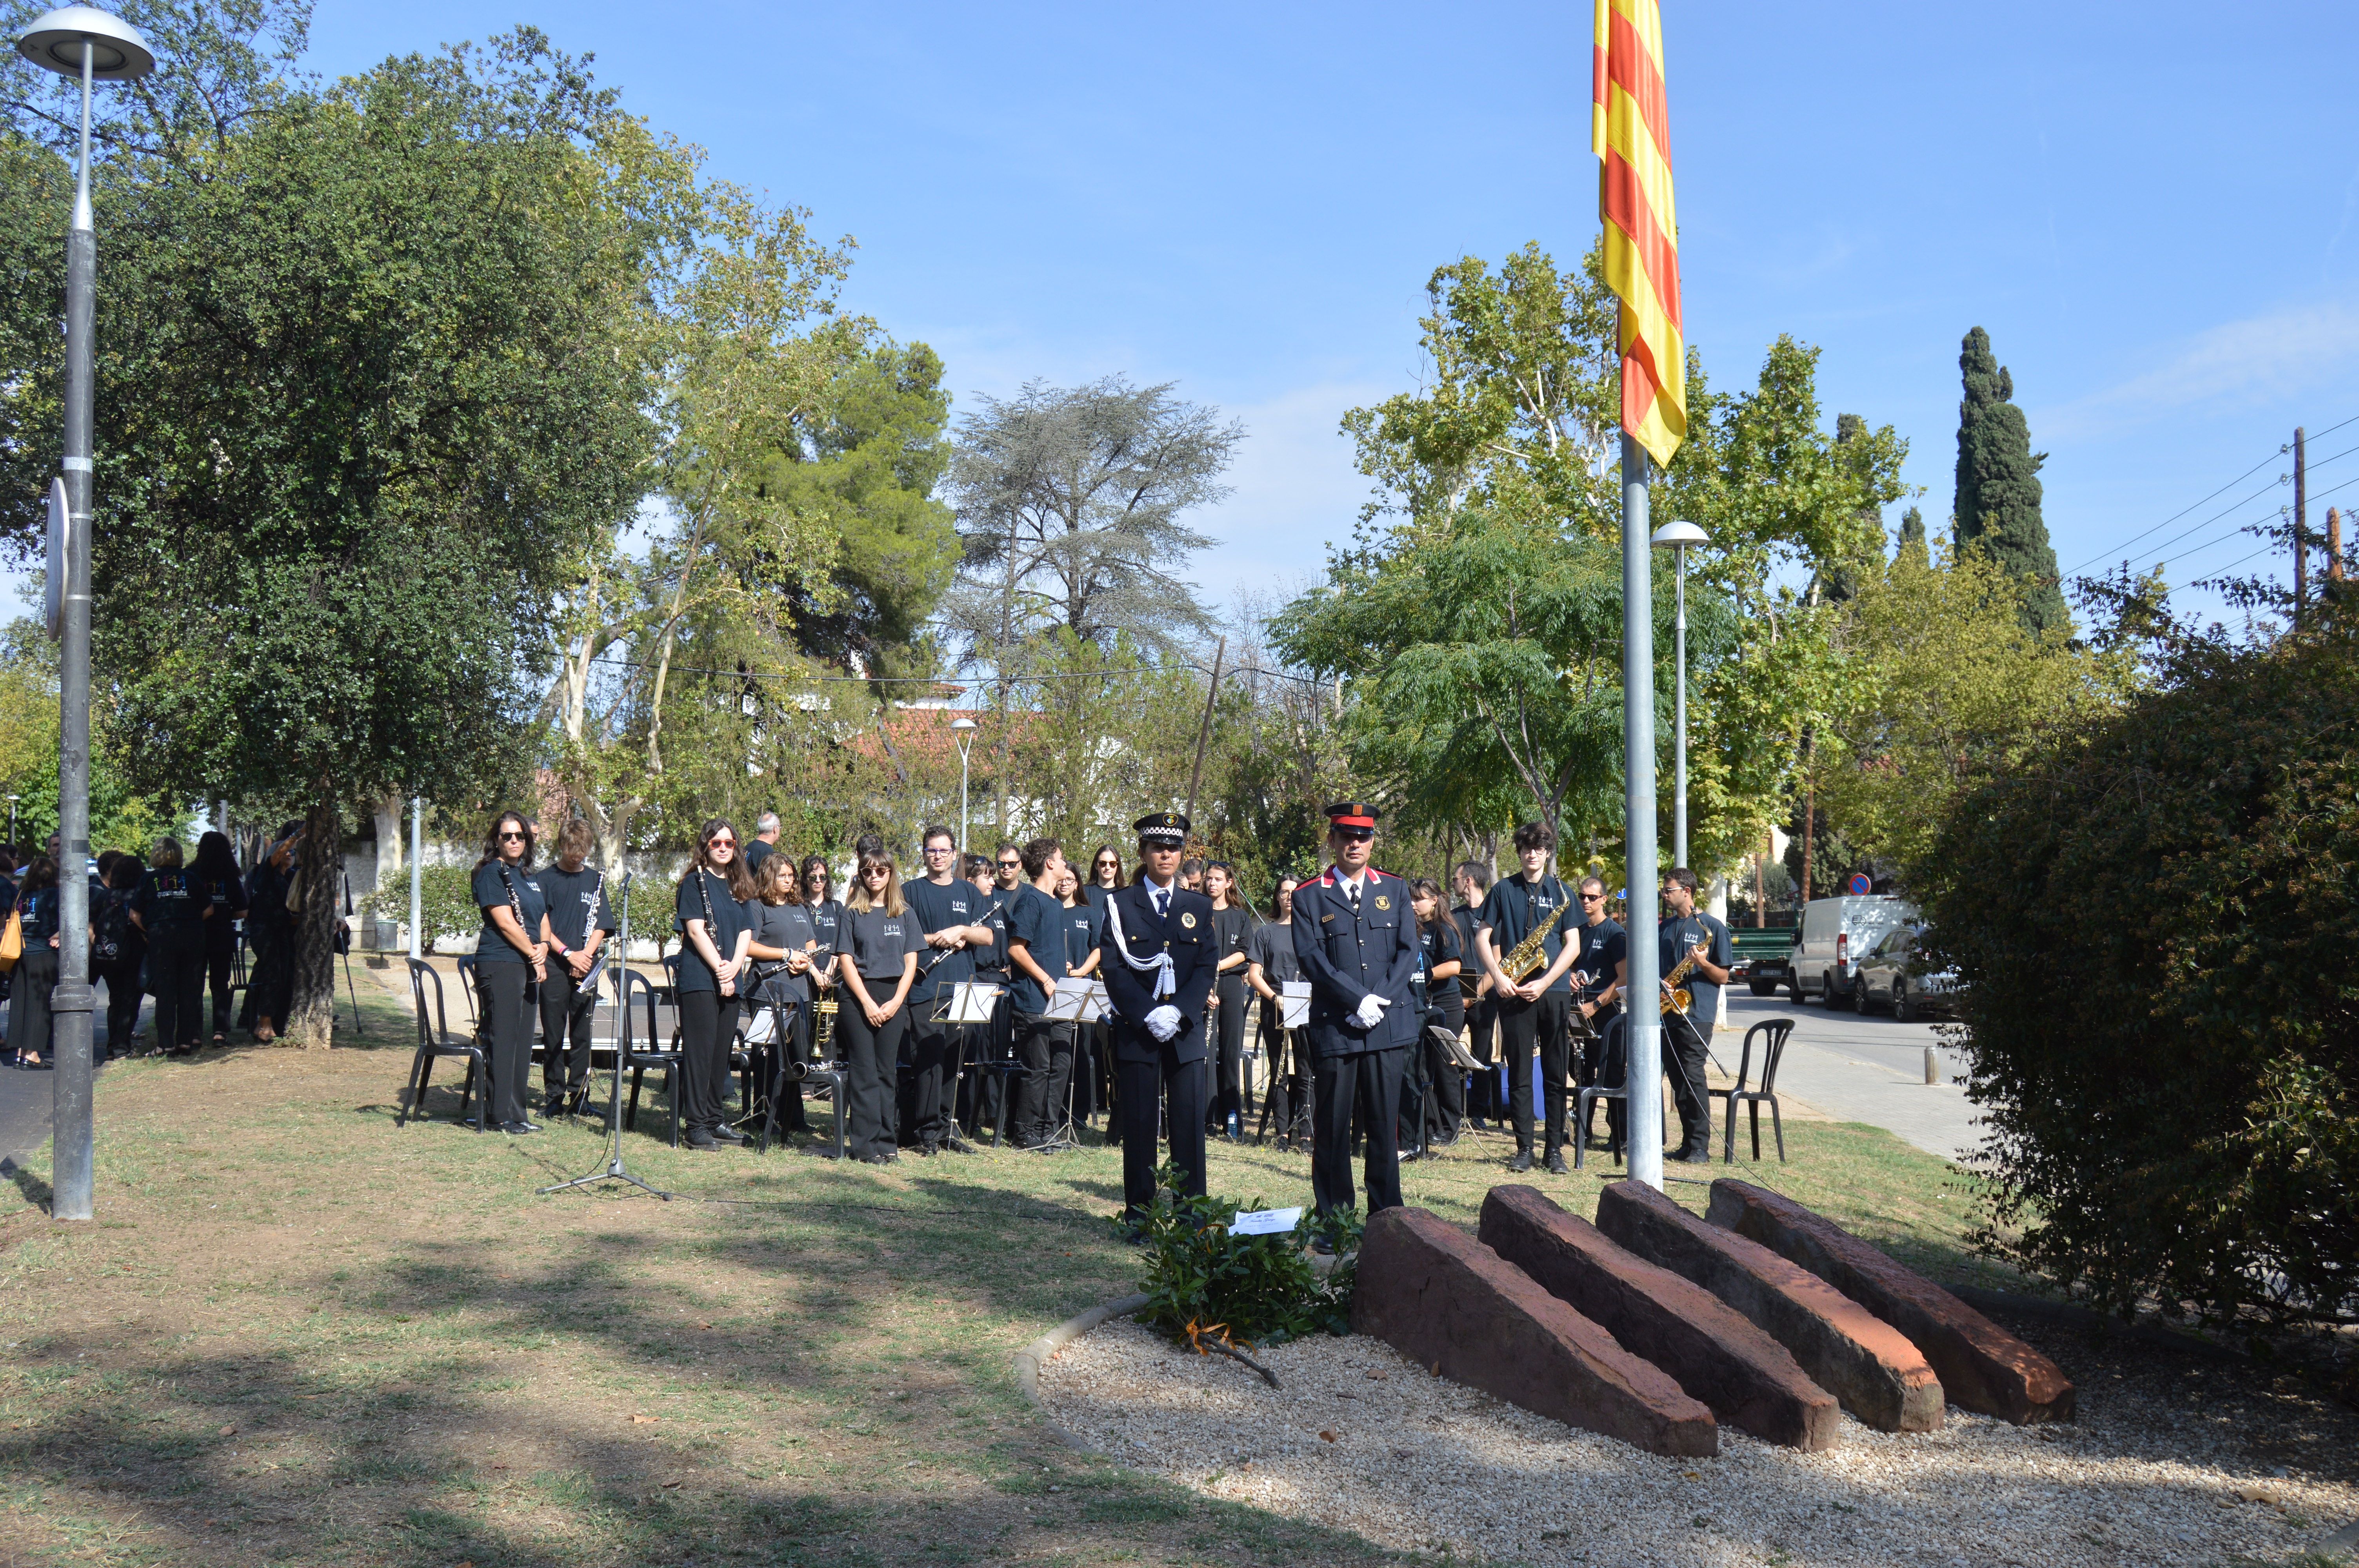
[1630, 130]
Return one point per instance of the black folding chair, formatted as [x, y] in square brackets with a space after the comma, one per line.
[1613, 1062]
[435, 1041]
[638, 1059]
[1776, 1030]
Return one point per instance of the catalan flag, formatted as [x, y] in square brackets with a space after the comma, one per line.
[1630, 130]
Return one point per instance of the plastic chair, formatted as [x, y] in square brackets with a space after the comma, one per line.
[1773, 1052]
[631, 984]
[467, 985]
[435, 1041]
[1613, 1055]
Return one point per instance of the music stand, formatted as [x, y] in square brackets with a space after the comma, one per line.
[1080, 1001]
[613, 1171]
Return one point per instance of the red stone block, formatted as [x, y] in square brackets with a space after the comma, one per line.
[1750, 1380]
[1876, 1372]
[1448, 1303]
[1982, 1366]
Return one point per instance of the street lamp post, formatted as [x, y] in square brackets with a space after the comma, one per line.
[82, 42]
[12, 818]
[964, 730]
[1680, 538]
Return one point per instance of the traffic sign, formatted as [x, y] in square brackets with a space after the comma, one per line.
[1859, 886]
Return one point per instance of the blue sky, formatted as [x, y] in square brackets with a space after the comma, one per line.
[2154, 210]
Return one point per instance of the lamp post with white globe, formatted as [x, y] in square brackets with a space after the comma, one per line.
[963, 729]
[84, 43]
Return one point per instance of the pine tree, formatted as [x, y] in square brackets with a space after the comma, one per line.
[1998, 484]
[1912, 536]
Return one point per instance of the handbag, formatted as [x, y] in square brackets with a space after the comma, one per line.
[12, 942]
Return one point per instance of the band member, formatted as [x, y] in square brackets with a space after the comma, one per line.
[1532, 1013]
[1232, 923]
[216, 867]
[1270, 966]
[782, 952]
[173, 907]
[877, 950]
[1036, 954]
[1356, 940]
[1472, 882]
[1157, 957]
[1105, 875]
[1084, 925]
[716, 934]
[949, 916]
[1688, 932]
[578, 923]
[1437, 934]
[512, 950]
[827, 919]
[1597, 975]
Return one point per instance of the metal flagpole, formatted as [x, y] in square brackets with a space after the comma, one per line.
[1643, 1036]
[416, 876]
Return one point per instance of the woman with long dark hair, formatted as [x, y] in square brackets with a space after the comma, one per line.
[826, 912]
[782, 951]
[118, 949]
[1105, 876]
[879, 946]
[1270, 964]
[511, 951]
[715, 934]
[36, 974]
[1445, 1004]
[172, 906]
[270, 927]
[1233, 922]
[217, 865]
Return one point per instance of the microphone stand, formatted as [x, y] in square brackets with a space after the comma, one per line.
[612, 1170]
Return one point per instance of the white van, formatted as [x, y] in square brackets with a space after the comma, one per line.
[1834, 935]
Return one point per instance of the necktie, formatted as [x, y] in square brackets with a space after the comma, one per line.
[1353, 888]
[1162, 902]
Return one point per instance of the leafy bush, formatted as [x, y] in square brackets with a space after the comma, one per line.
[2155, 922]
[447, 902]
[1204, 1283]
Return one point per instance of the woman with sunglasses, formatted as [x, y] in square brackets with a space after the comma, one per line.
[879, 945]
[1105, 875]
[512, 950]
[783, 952]
[1232, 923]
[715, 936]
[1445, 1008]
[826, 912]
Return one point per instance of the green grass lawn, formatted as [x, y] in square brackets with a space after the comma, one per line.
[296, 1334]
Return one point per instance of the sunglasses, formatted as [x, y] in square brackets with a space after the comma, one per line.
[1592, 898]
[876, 871]
[721, 843]
[1009, 865]
[1357, 835]
[507, 834]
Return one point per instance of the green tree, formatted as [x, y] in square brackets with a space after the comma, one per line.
[1998, 485]
[1912, 536]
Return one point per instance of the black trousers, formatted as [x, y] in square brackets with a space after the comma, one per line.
[507, 1030]
[789, 1043]
[1525, 1026]
[221, 960]
[928, 1096]
[871, 1066]
[1482, 1022]
[1369, 1083]
[1445, 1106]
[708, 1023]
[1291, 1076]
[1140, 1084]
[568, 1009]
[176, 979]
[122, 978]
[1045, 1046]
[1683, 1064]
[1232, 1096]
[270, 987]
[30, 982]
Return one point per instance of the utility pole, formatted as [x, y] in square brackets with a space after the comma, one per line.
[2300, 529]
[2333, 549]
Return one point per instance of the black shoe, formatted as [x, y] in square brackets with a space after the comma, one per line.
[519, 1129]
[927, 1150]
[1701, 1156]
[700, 1139]
[728, 1134]
[878, 1159]
[1556, 1165]
[1522, 1161]
[1133, 1236]
[1322, 1246]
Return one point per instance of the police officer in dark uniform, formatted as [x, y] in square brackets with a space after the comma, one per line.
[1355, 938]
[1157, 957]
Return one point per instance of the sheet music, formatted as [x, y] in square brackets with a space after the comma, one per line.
[971, 1002]
[1076, 1000]
[1293, 1004]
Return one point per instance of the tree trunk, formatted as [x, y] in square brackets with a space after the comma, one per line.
[391, 839]
[311, 1016]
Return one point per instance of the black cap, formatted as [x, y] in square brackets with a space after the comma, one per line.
[1162, 827]
[1351, 814]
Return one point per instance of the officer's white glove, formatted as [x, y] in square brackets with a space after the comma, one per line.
[1164, 1022]
[1372, 1011]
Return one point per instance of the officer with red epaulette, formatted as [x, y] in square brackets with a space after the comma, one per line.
[1356, 939]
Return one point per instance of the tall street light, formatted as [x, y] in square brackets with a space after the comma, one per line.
[12, 818]
[84, 42]
[1680, 538]
[964, 729]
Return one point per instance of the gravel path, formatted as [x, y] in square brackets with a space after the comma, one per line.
[1361, 1439]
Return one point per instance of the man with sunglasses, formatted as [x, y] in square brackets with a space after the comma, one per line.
[1532, 1012]
[950, 912]
[1356, 940]
[1597, 976]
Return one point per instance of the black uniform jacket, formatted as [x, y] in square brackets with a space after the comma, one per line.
[1347, 956]
[1187, 934]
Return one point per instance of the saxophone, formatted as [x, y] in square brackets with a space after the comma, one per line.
[1677, 998]
[1527, 957]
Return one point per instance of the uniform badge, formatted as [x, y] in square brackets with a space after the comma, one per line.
[1189, 920]
[1384, 901]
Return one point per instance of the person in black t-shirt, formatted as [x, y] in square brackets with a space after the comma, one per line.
[1270, 964]
[1105, 875]
[1472, 882]
[1532, 1012]
[511, 956]
[270, 930]
[171, 906]
[578, 923]
[877, 950]
[36, 974]
[715, 936]
[826, 913]
[1445, 1009]
[953, 926]
[1036, 953]
[113, 933]
[1597, 974]
[217, 866]
[1232, 923]
[1685, 931]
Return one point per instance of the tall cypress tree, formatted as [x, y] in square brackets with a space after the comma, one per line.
[1998, 484]
[1913, 535]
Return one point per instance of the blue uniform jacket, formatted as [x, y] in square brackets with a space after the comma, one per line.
[1345, 956]
[1187, 934]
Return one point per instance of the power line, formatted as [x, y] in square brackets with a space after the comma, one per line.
[963, 684]
[2242, 527]
[2216, 494]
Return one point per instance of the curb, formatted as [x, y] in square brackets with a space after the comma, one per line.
[1036, 1355]
[2343, 1542]
[2071, 1313]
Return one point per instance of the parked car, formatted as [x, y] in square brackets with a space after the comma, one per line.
[1835, 933]
[1894, 976]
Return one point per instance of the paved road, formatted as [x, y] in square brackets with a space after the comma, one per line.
[1863, 1069]
[26, 1098]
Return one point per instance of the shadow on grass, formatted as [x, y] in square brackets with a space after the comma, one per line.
[36, 1191]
